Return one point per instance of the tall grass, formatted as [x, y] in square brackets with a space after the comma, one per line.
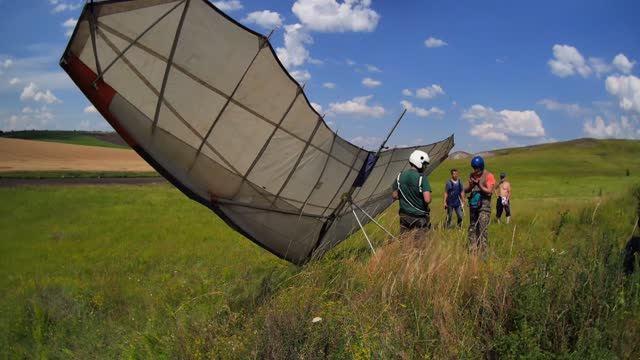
[433, 299]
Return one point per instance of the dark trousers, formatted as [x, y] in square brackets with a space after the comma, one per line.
[632, 248]
[409, 222]
[500, 208]
[458, 210]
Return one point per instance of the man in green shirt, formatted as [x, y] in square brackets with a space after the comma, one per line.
[413, 191]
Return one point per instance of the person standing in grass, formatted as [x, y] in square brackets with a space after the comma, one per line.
[413, 191]
[480, 186]
[503, 192]
[454, 198]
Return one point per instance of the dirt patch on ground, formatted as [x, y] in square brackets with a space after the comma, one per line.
[28, 155]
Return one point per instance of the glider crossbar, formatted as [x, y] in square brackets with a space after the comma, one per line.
[167, 70]
[135, 41]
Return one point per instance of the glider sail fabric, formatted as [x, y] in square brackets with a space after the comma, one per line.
[208, 104]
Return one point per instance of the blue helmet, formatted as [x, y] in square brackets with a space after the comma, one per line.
[477, 162]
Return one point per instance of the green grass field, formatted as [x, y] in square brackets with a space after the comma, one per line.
[143, 272]
[68, 137]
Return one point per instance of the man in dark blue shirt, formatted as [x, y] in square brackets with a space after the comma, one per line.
[454, 198]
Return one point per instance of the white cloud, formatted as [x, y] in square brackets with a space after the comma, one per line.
[622, 63]
[335, 16]
[14, 81]
[32, 92]
[294, 52]
[367, 142]
[432, 42]
[69, 25]
[627, 89]
[265, 18]
[488, 124]
[28, 119]
[372, 68]
[317, 106]
[93, 125]
[429, 92]
[599, 66]
[569, 109]
[6, 63]
[407, 92]
[350, 62]
[357, 106]
[329, 85]
[301, 76]
[90, 110]
[40, 69]
[315, 61]
[488, 132]
[371, 83]
[228, 5]
[61, 6]
[421, 112]
[625, 128]
[568, 61]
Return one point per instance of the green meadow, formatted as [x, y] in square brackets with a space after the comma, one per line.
[143, 272]
[68, 137]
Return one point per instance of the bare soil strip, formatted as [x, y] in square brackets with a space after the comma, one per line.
[28, 155]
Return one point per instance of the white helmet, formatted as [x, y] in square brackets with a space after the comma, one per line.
[419, 158]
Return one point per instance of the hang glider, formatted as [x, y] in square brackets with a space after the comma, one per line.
[207, 103]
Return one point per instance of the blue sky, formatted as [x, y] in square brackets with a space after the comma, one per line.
[495, 73]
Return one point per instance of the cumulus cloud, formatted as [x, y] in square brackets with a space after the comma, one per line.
[371, 83]
[367, 142]
[294, 52]
[599, 66]
[69, 25]
[625, 128]
[429, 92]
[623, 64]
[90, 110]
[301, 76]
[568, 61]
[6, 63]
[335, 16]
[329, 85]
[432, 42]
[357, 106]
[569, 109]
[372, 68]
[61, 6]
[14, 81]
[28, 119]
[265, 18]
[317, 107]
[627, 89]
[421, 112]
[490, 125]
[32, 92]
[228, 5]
